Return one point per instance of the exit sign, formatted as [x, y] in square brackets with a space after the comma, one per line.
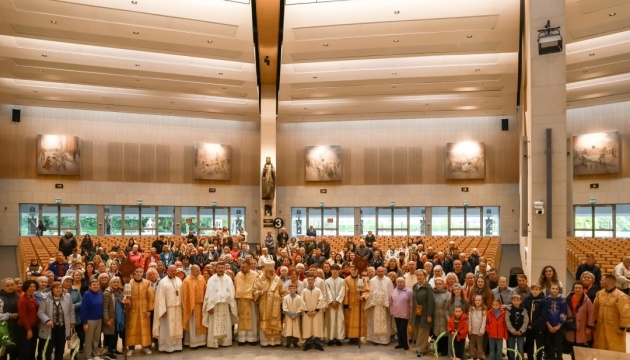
[465, 189]
[212, 190]
[595, 186]
[58, 186]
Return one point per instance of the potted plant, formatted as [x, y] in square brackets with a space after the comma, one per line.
[5, 337]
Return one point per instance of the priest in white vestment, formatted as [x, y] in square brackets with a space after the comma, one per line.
[313, 305]
[219, 308]
[335, 329]
[379, 320]
[167, 316]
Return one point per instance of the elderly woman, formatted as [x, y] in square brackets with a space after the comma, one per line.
[27, 309]
[590, 286]
[42, 289]
[10, 299]
[440, 316]
[111, 321]
[72, 285]
[92, 317]
[56, 316]
[451, 279]
[580, 321]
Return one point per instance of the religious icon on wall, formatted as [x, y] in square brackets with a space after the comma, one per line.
[596, 153]
[268, 180]
[58, 155]
[465, 160]
[212, 161]
[323, 163]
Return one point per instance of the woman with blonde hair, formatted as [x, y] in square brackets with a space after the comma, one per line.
[57, 320]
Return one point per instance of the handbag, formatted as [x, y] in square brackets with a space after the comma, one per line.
[419, 309]
[73, 340]
[570, 325]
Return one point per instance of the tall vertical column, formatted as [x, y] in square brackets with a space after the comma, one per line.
[546, 131]
[267, 152]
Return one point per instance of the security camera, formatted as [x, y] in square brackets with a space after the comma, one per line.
[539, 207]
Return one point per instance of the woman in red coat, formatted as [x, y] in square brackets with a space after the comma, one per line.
[27, 321]
[580, 319]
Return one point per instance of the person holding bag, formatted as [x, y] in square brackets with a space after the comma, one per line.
[580, 320]
[56, 316]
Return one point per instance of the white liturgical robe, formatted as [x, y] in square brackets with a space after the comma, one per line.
[335, 326]
[312, 301]
[379, 320]
[167, 316]
[220, 300]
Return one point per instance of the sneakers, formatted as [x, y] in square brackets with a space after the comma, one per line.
[112, 356]
[147, 350]
[129, 352]
[419, 354]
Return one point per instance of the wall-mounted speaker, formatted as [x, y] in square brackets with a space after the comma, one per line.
[505, 125]
[16, 115]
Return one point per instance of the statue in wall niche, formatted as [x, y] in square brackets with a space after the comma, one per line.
[268, 180]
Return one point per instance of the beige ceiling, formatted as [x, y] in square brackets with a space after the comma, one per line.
[341, 60]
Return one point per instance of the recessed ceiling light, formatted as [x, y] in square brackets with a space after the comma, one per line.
[591, 54]
[209, 41]
[137, 65]
[477, 70]
[393, 87]
[134, 2]
[35, 91]
[314, 77]
[220, 73]
[469, 37]
[397, 12]
[396, 40]
[44, 55]
[394, 73]
[136, 32]
[326, 45]
[53, 22]
[584, 71]
[612, 14]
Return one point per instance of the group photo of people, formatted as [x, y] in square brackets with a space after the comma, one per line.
[300, 293]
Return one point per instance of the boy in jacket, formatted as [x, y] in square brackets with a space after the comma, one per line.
[535, 306]
[458, 323]
[556, 316]
[496, 330]
[516, 320]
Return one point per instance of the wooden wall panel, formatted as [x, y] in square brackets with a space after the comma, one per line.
[346, 166]
[401, 166]
[188, 162]
[87, 160]
[370, 166]
[99, 160]
[415, 165]
[163, 163]
[147, 163]
[385, 166]
[114, 161]
[131, 162]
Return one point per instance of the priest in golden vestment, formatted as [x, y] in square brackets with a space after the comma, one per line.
[357, 289]
[247, 309]
[612, 314]
[193, 291]
[138, 330]
[269, 292]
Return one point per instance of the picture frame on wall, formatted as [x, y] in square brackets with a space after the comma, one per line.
[465, 160]
[323, 163]
[596, 153]
[212, 161]
[58, 155]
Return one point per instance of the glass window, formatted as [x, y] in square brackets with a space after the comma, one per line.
[491, 221]
[237, 218]
[584, 221]
[604, 221]
[166, 218]
[113, 220]
[189, 219]
[384, 221]
[206, 221]
[417, 221]
[400, 222]
[368, 220]
[315, 219]
[131, 225]
[439, 221]
[473, 221]
[221, 218]
[330, 222]
[88, 221]
[622, 223]
[68, 218]
[50, 217]
[28, 219]
[346, 221]
[148, 220]
[298, 226]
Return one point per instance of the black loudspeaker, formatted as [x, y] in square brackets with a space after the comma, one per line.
[505, 125]
[16, 115]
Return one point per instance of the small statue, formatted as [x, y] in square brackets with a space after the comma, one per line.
[268, 180]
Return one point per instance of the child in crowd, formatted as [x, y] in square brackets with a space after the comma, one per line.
[516, 321]
[556, 315]
[496, 329]
[291, 305]
[477, 328]
[458, 328]
[535, 305]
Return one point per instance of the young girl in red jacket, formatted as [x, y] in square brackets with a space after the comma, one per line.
[496, 330]
[458, 323]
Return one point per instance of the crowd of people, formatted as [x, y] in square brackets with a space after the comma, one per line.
[301, 294]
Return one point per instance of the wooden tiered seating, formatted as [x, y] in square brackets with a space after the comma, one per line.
[608, 252]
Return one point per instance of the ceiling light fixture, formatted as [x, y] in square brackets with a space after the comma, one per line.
[612, 14]
[137, 65]
[584, 71]
[397, 12]
[396, 40]
[394, 73]
[134, 2]
[591, 54]
[477, 70]
[314, 77]
[220, 73]
[549, 40]
[35, 91]
[469, 37]
[209, 41]
[53, 22]
[326, 45]
[136, 32]
[44, 55]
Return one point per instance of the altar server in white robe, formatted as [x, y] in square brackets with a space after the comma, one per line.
[167, 316]
[379, 320]
[219, 308]
[292, 309]
[312, 322]
[336, 290]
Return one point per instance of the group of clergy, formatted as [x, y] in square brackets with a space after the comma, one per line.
[259, 308]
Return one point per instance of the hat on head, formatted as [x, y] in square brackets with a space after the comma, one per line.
[269, 265]
[63, 279]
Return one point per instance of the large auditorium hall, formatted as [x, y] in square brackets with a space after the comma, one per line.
[495, 126]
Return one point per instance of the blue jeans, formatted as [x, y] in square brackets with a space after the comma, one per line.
[496, 348]
[520, 343]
